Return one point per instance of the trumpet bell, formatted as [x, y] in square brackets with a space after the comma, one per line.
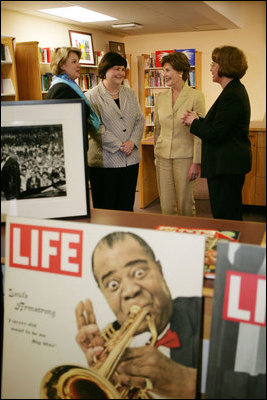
[75, 382]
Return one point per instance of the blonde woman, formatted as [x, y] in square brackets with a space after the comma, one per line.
[65, 67]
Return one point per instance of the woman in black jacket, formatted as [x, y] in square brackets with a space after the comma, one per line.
[226, 149]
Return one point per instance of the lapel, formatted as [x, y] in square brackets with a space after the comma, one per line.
[220, 98]
[109, 102]
[166, 100]
[181, 98]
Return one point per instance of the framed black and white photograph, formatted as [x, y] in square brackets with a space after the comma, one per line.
[117, 47]
[43, 159]
[84, 42]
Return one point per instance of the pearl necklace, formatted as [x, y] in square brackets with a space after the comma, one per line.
[113, 93]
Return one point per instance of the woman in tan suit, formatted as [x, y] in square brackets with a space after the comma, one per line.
[177, 153]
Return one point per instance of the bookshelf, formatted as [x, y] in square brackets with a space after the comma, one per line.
[151, 81]
[32, 71]
[9, 86]
[254, 189]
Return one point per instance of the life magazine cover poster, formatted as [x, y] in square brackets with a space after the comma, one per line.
[237, 357]
[96, 311]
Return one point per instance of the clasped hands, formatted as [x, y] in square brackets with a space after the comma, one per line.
[127, 147]
[138, 364]
[189, 117]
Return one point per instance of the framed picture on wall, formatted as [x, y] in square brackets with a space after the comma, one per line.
[84, 42]
[117, 48]
[44, 172]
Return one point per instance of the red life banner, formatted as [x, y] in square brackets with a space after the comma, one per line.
[245, 298]
[46, 249]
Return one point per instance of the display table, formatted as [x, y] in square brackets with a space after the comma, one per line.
[250, 232]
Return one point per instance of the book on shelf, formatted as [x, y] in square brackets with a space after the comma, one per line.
[150, 100]
[150, 118]
[192, 79]
[212, 237]
[44, 54]
[150, 62]
[154, 78]
[88, 81]
[46, 80]
[159, 54]
[190, 53]
[149, 135]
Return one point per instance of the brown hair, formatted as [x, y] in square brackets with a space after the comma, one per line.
[108, 61]
[60, 56]
[232, 61]
[179, 62]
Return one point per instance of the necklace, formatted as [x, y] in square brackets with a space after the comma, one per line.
[112, 93]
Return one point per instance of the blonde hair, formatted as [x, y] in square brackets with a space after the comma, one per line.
[60, 56]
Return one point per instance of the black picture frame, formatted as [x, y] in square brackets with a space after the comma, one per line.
[48, 139]
[117, 47]
[84, 41]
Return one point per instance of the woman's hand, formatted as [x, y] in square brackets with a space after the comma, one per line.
[189, 117]
[127, 147]
[193, 172]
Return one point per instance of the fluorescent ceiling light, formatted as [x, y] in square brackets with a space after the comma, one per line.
[78, 14]
[130, 25]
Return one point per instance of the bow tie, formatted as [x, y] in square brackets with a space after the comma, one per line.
[170, 339]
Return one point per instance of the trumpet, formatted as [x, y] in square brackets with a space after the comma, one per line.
[76, 382]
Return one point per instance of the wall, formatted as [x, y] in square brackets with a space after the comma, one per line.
[251, 38]
[48, 33]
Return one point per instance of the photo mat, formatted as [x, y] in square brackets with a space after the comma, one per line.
[44, 173]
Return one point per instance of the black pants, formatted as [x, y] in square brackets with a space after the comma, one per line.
[114, 188]
[226, 196]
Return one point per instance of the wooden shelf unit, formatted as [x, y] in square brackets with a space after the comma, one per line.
[8, 71]
[30, 70]
[254, 190]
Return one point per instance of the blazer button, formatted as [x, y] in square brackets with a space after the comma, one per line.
[124, 130]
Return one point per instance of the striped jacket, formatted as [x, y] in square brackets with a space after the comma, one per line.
[117, 126]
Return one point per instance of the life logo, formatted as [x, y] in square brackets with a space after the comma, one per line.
[245, 298]
[46, 249]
